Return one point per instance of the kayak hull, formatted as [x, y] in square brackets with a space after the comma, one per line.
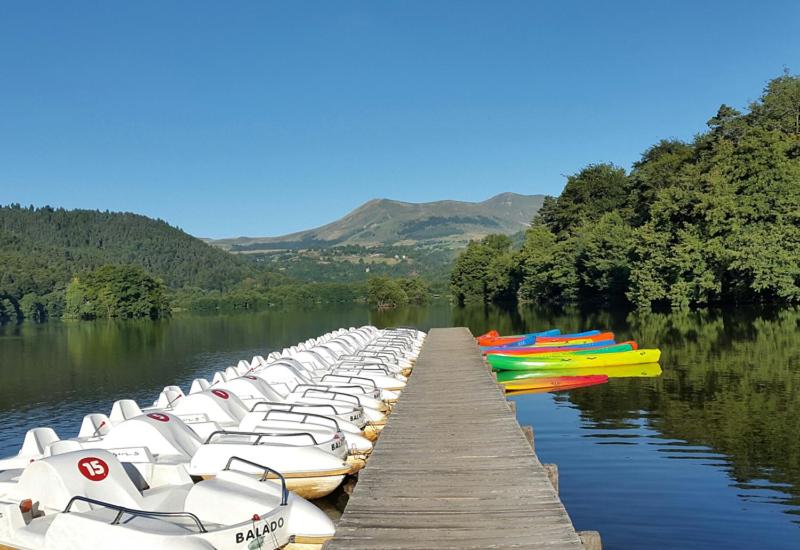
[568, 350]
[645, 370]
[544, 361]
[557, 383]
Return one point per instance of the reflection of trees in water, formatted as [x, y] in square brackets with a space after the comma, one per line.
[60, 361]
[731, 382]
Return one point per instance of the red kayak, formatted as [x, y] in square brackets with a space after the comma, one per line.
[557, 383]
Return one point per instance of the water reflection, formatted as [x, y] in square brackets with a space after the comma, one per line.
[705, 456]
[711, 446]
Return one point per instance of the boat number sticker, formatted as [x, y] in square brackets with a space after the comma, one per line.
[93, 469]
[222, 394]
[158, 416]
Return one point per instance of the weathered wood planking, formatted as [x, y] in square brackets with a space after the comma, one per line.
[452, 468]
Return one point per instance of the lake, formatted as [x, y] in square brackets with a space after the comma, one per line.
[705, 456]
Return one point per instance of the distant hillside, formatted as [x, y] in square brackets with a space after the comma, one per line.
[40, 249]
[384, 222]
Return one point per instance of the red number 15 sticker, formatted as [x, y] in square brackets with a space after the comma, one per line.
[94, 469]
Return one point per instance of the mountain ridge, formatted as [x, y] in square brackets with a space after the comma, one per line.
[384, 221]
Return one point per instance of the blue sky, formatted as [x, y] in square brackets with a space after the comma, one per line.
[261, 118]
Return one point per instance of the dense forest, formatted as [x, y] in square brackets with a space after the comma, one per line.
[712, 221]
[83, 264]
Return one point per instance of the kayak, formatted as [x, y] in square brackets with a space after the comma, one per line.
[547, 348]
[533, 343]
[545, 361]
[539, 341]
[570, 338]
[557, 383]
[644, 370]
[493, 338]
[570, 350]
[495, 334]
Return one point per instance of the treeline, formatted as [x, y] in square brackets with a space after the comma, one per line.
[379, 292]
[82, 264]
[713, 221]
[387, 293]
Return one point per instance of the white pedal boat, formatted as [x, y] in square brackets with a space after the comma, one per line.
[254, 391]
[86, 500]
[294, 378]
[309, 471]
[214, 410]
[297, 375]
[318, 368]
[279, 392]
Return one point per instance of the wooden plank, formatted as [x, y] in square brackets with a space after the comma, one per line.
[453, 468]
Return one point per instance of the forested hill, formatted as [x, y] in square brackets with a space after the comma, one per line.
[62, 242]
[84, 264]
[712, 221]
[43, 249]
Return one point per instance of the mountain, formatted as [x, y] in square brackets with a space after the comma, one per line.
[41, 248]
[383, 222]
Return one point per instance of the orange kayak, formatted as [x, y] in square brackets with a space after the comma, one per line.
[544, 340]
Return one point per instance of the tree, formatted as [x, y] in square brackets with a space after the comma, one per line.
[595, 190]
[33, 308]
[416, 290]
[547, 268]
[779, 105]
[126, 292]
[383, 293]
[479, 273]
[659, 168]
[602, 259]
[713, 221]
[8, 312]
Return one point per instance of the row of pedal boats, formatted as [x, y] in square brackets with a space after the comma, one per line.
[232, 463]
[551, 361]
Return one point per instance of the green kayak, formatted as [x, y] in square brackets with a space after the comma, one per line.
[647, 370]
[566, 361]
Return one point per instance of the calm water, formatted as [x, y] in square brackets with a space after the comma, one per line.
[705, 456]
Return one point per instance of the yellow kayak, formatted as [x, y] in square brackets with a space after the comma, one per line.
[546, 361]
[645, 370]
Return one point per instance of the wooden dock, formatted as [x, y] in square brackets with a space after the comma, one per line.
[452, 468]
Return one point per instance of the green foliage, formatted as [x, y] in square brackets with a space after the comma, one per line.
[484, 271]
[417, 291]
[76, 240]
[595, 190]
[42, 251]
[546, 268]
[602, 258]
[383, 292]
[694, 224]
[33, 307]
[125, 292]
